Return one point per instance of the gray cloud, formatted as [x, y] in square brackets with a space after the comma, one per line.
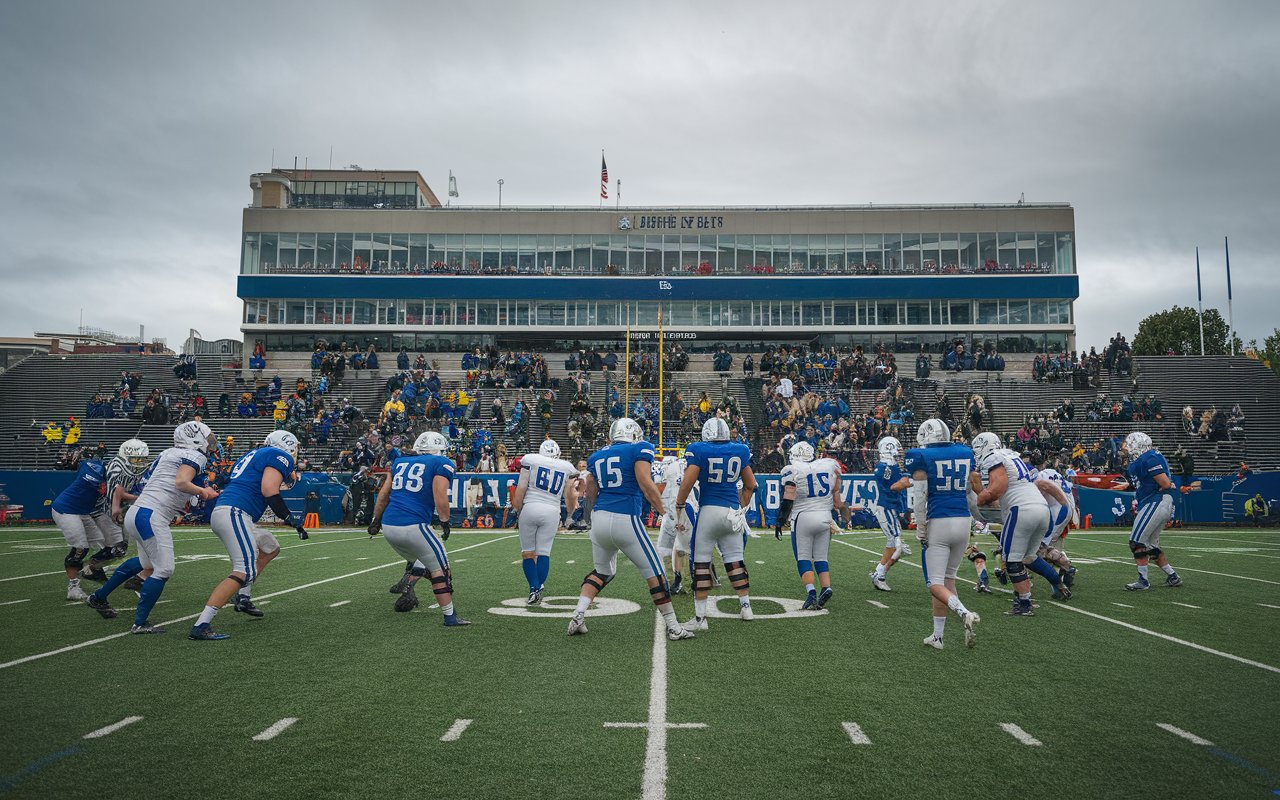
[131, 129]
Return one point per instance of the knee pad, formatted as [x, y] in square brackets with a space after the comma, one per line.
[736, 572]
[821, 566]
[418, 570]
[659, 593]
[238, 580]
[597, 579]
[442, 584]
[1139, 550]
[804, 565]
[702, 575]
[75, 559]
[1154, 552]
[1017, 572]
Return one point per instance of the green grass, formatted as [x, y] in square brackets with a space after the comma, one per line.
[374, 690]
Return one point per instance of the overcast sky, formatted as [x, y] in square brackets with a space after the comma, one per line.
[130, 129]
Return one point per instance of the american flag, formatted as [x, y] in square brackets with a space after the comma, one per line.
[604, 179]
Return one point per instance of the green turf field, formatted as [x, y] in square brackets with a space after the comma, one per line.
[841, 704]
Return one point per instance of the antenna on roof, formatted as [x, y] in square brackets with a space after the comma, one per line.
[1022, 198]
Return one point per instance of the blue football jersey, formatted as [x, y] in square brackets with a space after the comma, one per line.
[1142, 472]
[81, 496]
[886, 476]
[412, 500]
[720, 465]
[614, 468]
[946, 466]
[244, 491]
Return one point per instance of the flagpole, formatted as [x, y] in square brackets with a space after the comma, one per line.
[1200, 300]
[617, 196]
[1231, 320]
[602, 172]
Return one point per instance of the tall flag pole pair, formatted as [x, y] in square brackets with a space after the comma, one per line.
[1231, 319]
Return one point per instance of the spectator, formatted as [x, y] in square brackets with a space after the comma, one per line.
[371, 358]
[749, 366]
[402, 360]
[924, 364]
[1255, 510]
[52, 433]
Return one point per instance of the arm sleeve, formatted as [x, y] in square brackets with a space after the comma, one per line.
[920, 502]
[277, 505]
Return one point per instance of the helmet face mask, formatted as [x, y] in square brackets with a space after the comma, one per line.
[431, 443]
[715, 430]
[889, 449]
[984, 444]
[801, 453]
[549, 448]
[135, 452]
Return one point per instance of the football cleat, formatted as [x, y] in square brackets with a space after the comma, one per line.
[399, 586]
[971, 621]
[134, 584]
[933, 641]
[577, 624]
[146, 629]
[1172, 581]
[1061, 592]
[810, 602]
[1021, 608]
[119, 550]
[95, 574]
[1140, 585]
[455, 621]
[206, 633]
[74, 592]
[695, 624]
[679, 632]
[1068, 576]
[745, 611]
[825, 597]
[103, 607]
[677, 585]
[982, 588]
[535, 598]
[408, 600]
[879, 583]
[1002, 576]
[244, 605]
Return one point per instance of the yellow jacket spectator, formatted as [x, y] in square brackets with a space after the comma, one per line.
[1255, 508]
[393, 406]
[52, 433]
[464, 398]
[279, 413]
[73, 433]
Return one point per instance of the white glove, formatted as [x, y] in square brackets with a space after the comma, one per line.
[835, 527]
[738, 520]
[682, 522]
[906, 548]
[922, 533]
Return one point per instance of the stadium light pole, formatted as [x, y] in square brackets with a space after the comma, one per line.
[500, 182]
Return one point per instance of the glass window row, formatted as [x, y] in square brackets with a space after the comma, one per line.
[773, 313]
[670, 254]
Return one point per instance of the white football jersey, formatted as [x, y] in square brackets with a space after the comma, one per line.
[545, 479]
[1054, 477]
[161, 493]
[815, 483]
[1022, 489]
[671, 476]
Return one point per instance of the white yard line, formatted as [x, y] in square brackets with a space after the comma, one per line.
[1190, 737]
[1268, 605]
[339, 603]
[455, 732]
[1122, 605]
[72, 647]
[855, 733]
[112, 728]
[1203, 571]
[1184, 605]
[1135, 628]
[877, 604]
[1020, 734]
[36, 575]
[275, 730]
[15, 602]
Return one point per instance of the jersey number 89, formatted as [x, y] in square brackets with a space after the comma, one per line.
[408, 477]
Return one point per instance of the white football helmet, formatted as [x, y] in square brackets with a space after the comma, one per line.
[801, 453]
[715, 430]
[984, 444]
[932, 431]
[549, 448]
[135, 452]
[432, 442]
[1137, 443]
[669, 460]
[889, 448]
[283, 440]
[193, 436]
[625, 429]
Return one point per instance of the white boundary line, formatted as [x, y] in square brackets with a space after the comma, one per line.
[855, 733]
[455, 732]
[275, 730]
[69, 648]
[1267, 605]
[877, 604]
[37, 575]
[15, 602]
[112, 728]
[339, 603]
[1193, 569]
[1190, 737]
[1135, 628]
[1019, 734]
[1184, 605]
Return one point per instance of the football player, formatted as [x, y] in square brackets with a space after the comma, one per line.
[256, 480]
[619, 481]
[1061, 511]
[811, 490]
[714, 466]
[890, 502]
[122, 473]
[409, 504]
[667, 475]
[71, 513]
[1026, 513]
[545, 479]
[170, 485]
[1148, 475]
[940, 472]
